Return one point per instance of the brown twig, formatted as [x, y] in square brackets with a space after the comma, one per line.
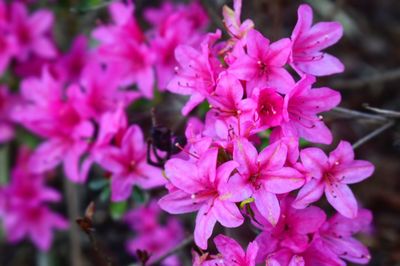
[72, 199]
[355, 113]
[384, 112]
[373, 134]
[358, 83]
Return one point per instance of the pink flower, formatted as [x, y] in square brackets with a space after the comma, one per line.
[269, 107]
[231, 253]
[337, 234]
[128, 165]
[174, 26]
[53, 113]
[197, 73]
[102, 92]
[199, 186]
[227, 99]
[71, 64]
[262, 176]
[122, 46]
[295, 229]
[263, 65]
[151, 235]
[31, 32]
[308, 41]
[235, 27]
[301, 106]
[333, 174]
[22, 206]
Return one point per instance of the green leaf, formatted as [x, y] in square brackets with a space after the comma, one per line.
[118, 209]
[98, 184]
[105, 194]
[139, 196]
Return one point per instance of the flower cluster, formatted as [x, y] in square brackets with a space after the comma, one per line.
[23, 206]
[244, 162]
[250, 90]
[76, 101]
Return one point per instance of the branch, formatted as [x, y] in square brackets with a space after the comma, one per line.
[360, 114]
[358, 83]
[373, 134]
[175, 249]
[384, 112]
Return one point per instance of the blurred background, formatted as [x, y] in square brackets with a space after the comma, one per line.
[370, 50]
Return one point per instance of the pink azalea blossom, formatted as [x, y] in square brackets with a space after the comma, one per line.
[32, 32]
[337, 234]
[122, 46]
[332, 175]
[198, 71]
[151, 235]
[199, 187]
[300, 112]
[53, 113]
[71, 64]
[101, 91]
[128, 165]
[231, 253]
[174, 25]
[22, 207]
[227, 99]
[269, 107]
[308, 41]
[295, 229]
[235, 27]
[263, 64]
[262, 176]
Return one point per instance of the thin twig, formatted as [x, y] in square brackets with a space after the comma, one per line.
[363, 81]
[175, 249]
[388, 113]
[360, 114]
[373, 134]
[73, 211]
[82, 10]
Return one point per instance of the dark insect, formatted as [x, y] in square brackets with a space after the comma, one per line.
[162, 139]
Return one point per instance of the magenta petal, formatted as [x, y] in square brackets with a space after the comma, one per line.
[177, 202]
[268, 205]
[207, 165]
[343, 153]
[323, 35]
[354, 172]
[195, 99]
[246, 155]
[236, 189]
[41, 21]
[280, 79]
[229, 248]
[342, 199]
[121, 187]
[47, 156]
[320, 100]
[314, 161]
[44, 47]
[309, 193]
[273, 156]
[251, 253]
[227, 213]
[205, 222]
[283, 180]
[278, 52]
[183, 175]
[350, 249]
[326, 65]
[224, 172]
[304, 20]
[308, 220]
[297, 261]
[244, 68]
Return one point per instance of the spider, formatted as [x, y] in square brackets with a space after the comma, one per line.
[162, 139]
